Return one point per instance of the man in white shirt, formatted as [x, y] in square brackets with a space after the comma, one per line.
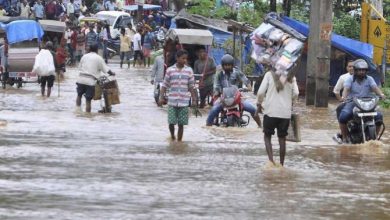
[337, 91]
[137, 48]
[25, 9]
[340, 82]
[274, 99]
[92, 67]
[70, 10]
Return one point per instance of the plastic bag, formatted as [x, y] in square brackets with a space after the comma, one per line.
[44, 63]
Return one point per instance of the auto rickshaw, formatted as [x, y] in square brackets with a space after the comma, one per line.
[188, 39]
[21, 45]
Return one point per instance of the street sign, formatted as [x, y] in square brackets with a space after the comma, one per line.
[377, 34]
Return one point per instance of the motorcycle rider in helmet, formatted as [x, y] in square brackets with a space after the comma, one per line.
[357, 85]
[230, 76]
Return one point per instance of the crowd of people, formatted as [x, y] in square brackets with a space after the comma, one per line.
[137, 42]
[65, 9]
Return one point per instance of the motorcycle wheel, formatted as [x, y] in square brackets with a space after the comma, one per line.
[3, 81]
[371, 133]
[233, 121]
[156, 96]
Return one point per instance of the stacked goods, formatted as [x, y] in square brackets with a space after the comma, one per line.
[278, 47]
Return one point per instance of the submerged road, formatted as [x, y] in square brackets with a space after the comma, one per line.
[59, 163]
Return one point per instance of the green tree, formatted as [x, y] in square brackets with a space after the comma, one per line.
[202, 7]
[347, 26]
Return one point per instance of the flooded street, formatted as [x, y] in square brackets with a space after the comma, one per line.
[58, 163]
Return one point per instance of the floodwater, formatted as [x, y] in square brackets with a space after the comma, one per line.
[58, 163]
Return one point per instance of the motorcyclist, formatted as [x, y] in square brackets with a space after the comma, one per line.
[230, 76]
[357, 85]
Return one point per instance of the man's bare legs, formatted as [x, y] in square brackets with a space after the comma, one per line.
[88, 104]
[282, 144]
[268, 147]
[172, 131]
[180, 133]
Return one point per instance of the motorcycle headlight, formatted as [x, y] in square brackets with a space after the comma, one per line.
[366, 104]
[228, 101]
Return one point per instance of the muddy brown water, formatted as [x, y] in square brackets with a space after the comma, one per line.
[58, 163]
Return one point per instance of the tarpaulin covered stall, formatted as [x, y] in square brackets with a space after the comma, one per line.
[354, 48]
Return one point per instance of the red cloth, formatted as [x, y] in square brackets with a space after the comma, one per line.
[60, 55]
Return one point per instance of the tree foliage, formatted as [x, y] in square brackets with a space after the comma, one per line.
[347, 26]
[201, 7]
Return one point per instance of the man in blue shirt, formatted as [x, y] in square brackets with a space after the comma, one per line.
[226, 78]
[357, 85]
[38, 10]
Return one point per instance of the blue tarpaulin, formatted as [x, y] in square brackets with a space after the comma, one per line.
[146, 7]
[22, 30]
[353, 47]
[356, 49]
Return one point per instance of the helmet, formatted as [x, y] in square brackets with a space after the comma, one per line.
[227, 59]
[360, 64]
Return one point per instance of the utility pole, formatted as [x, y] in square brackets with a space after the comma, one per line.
[323, 54]
[318, 62]
[312, 52]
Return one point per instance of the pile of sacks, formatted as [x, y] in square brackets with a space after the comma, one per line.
[276, 48]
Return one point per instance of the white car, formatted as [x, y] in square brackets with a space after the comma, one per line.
[116, 20]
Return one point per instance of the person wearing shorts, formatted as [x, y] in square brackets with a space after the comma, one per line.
[274, 99]
[87, 91]
[44, 66]
[137, 46]
[179, 79]
[177, 115]
[49, 80]
[92, 67]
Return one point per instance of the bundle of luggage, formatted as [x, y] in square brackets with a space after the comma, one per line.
[277, 45]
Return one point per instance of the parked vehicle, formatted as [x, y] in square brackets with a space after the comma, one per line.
[113, 47]
[188, 39]
[116, 20]
[362, 127]
[232, 114]
[159, 35]
[19, 51]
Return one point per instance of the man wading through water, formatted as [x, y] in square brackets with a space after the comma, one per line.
[179, 79]
[91, 67]
[274, 99]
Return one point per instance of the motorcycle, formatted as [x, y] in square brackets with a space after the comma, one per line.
[159, 35]
[232, 114]
[362, 127]
[113, 47]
